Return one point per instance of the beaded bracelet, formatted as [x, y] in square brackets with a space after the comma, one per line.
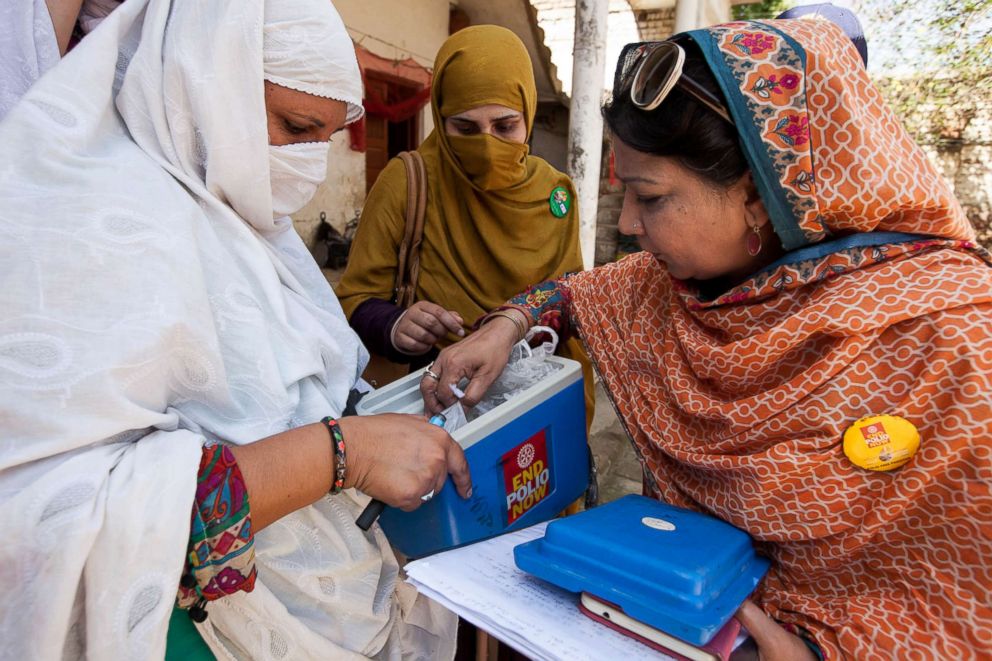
[340, 464]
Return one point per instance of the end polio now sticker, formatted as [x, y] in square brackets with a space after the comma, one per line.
[881, 442]
[526, 476]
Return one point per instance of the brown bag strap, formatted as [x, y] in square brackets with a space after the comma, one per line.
[408, 256]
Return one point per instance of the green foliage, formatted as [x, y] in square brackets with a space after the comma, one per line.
[761, 10]
[933, 63]
[932, 59]
[935, 35]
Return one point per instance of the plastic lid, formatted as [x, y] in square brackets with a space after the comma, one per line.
[680, 571]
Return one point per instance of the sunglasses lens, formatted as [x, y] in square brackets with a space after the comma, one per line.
[657, 73]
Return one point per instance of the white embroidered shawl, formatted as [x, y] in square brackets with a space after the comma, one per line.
[150, 303]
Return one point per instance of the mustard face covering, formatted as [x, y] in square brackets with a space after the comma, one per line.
[490, 163]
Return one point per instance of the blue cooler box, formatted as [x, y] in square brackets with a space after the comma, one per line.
[528, 459]
[676, 570]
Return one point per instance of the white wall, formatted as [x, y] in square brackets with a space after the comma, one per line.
[557, 20]
[693, 14]
[393, 29]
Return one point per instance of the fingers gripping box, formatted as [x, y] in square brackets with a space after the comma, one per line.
[527, 457]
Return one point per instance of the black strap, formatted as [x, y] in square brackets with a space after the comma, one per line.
[350, 408]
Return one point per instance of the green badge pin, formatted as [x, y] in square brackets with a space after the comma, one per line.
[560, 201]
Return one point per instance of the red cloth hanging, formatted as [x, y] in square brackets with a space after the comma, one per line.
[409, 72]
[356, 136]
[399, 111]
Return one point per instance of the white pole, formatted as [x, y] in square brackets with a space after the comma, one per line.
[686, 15]
[585, 129]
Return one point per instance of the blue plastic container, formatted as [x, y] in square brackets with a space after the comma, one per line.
[679, 571]
[528, 460]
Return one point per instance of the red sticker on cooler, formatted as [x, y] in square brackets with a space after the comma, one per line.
[527, 476]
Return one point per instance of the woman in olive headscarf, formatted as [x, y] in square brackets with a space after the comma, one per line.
[497, 220]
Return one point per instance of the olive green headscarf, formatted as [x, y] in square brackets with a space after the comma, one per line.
[480, 246]
[488, 234]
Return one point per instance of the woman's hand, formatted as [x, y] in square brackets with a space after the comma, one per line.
[422, 325]
[399, 458]
[480, 358]
[774, 643]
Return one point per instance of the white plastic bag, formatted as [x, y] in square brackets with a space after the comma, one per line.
[454, 417]
[527, 365]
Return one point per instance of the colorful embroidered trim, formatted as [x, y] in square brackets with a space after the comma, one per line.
[547, 304]
[762, 74]
[340, 461]
[221, 553]
[795, 275]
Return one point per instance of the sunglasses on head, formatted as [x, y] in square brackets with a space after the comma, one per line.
[651, 70]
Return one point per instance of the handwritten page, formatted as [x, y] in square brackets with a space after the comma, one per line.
[482, 584]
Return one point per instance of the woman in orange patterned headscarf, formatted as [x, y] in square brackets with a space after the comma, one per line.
[817, 273]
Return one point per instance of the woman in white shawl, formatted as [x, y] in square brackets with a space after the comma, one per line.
[160, 317]
[36, 33]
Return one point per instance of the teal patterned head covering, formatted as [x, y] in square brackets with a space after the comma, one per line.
[829, 158]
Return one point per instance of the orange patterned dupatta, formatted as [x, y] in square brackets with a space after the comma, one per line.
[737, 405]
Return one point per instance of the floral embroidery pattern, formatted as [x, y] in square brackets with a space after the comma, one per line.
[547, 304]
[539, 295]
[753, 43]
[765, 87]
[783, 281]
[800, 178]
[769, 75]
[773, 84]
[792, 129]
[221, 553]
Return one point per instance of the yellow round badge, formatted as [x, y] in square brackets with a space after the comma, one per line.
[881, 442]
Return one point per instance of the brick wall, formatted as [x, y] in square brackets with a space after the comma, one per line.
[655, 24]
[610, 202]
[652, 25]
[966, 164]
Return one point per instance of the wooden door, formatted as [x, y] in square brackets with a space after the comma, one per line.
[376, 137]
[376, 149]
[385, 139]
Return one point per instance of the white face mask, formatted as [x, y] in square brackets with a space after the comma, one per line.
[295, 172]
